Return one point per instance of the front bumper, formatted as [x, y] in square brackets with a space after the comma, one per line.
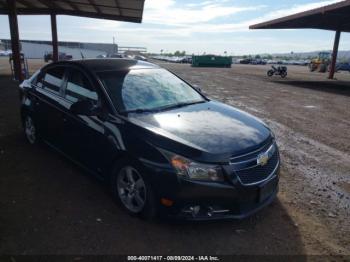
[196, 200]
[211, 201]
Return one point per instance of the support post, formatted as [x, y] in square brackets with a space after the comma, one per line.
[15, 44]
[54, 38]
[334, 54]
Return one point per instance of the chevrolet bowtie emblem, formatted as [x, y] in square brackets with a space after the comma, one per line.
[262, 159]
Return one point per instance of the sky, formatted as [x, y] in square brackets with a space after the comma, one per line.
[194, 26]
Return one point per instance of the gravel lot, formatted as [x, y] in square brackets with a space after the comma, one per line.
[50, 206]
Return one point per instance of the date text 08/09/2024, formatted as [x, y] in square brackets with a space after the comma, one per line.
[173, 258]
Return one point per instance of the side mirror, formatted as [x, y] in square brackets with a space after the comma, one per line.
[83, 107]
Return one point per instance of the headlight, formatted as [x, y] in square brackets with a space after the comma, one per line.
[187, 168]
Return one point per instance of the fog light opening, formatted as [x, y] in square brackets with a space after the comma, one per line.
[195, 210]
[210, 211]
[206, 211]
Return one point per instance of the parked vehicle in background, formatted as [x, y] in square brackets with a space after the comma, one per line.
[280, 70]
[271, 61]
[5, 52]
[245, 61]
[301, 62]
[140, 57]
[183, 59]
[258, 62]
[61, 56]
[140, 128]
[174, 59]
[342, 67]
[115, 55]
[253, 61]
[187, 60]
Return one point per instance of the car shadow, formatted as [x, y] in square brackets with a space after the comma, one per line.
[334, 87]
[52, 206]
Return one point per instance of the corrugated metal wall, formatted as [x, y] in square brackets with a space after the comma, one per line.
[34, 50]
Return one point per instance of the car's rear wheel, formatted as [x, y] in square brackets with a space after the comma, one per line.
[132, 190]
[30, 130]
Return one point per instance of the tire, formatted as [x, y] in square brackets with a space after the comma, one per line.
[284, 74]
[270, 73]
[322, 68]
[133, 191]
[312, 67]
[30, 130]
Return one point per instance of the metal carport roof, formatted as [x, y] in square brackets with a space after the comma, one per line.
[334, 17]
[122, 10]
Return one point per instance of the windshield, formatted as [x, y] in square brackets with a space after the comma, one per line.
[147, 89]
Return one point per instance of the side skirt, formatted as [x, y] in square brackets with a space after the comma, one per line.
[88, 170]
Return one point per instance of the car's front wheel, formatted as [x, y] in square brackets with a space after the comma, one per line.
[133, 191]
[30, 130]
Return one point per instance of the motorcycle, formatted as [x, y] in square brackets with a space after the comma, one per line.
[280, 70]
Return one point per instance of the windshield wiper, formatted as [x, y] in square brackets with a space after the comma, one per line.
[138, 110]
[146, 110]
[178, 105]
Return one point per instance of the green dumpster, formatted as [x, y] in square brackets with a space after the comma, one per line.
[211, 61]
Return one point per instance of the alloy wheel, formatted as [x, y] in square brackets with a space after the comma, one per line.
[131, 189]
[30, 130]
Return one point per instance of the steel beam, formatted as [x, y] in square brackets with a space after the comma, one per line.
[93, 4]
[16, 55]
[49, 4]
[26, 3]
[71, 4]
[334, 54]
[54, 38]
[118, 6]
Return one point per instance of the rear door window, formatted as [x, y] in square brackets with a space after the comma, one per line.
[52, 79]
[79, 87]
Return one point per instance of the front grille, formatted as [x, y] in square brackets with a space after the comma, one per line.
[257, 173]
[251, 155]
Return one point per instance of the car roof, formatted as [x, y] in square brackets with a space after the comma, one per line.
[111, 64]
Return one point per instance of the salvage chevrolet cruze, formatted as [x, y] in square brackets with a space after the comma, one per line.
[163, 147]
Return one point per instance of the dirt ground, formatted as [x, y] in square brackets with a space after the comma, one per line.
[50, 206]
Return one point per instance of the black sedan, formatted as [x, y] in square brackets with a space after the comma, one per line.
[162, 146]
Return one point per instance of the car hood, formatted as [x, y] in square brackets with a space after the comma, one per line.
[210, 127]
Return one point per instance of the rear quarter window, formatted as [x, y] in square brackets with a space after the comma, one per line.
[52, 79]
